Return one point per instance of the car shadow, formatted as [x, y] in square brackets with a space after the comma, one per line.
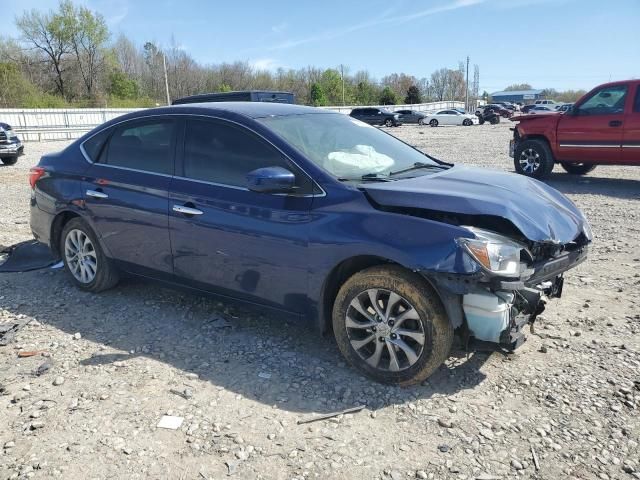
[624, 188]
[272, 360]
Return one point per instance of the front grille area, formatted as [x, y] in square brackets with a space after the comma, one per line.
[3, 136]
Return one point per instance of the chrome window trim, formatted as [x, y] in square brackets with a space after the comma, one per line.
[118, 167]
[322, 193]
[571, 145]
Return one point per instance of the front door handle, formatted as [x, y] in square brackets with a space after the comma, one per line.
[187, 210]
[96, 194]
[615, 123]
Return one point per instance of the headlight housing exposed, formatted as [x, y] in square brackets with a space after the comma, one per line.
[493, 252]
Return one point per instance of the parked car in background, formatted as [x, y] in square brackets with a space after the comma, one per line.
[537, 109]
[527, 108]
[545, 102]
[10, 145]
[312, 214]
[499, 109]
[487, 115]
[411, 116]
[377, 116]
[449, 117]
[602, 128]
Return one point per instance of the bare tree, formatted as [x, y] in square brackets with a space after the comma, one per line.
[50, 35]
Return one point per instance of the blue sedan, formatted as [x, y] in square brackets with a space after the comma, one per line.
[315, 214]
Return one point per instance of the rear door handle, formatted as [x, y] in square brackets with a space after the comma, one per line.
[615, 123]
[187, 210]
[96, 194]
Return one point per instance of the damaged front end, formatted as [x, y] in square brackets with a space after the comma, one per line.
[507, 285]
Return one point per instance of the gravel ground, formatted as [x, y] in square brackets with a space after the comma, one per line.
[244, 379]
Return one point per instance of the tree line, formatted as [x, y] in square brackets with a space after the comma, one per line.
[68, 57]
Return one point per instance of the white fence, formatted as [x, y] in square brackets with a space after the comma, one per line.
[69, 123]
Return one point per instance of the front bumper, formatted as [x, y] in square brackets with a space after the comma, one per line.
[11, 149]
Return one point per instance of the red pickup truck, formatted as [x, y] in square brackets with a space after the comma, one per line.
[602, 128]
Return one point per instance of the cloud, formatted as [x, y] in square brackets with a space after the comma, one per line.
[264, 64]
[383, 19]
[279, 28]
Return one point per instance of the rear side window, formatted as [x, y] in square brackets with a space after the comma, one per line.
[146, 146]
[221, 152]
[95, 145]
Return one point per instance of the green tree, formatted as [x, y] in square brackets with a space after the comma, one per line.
[413, 95]
[331, 84]
[388, 97]
[15, 87]
[50, 35]
[89, 33]
[317, 96]
[121, 86]
[518, 86]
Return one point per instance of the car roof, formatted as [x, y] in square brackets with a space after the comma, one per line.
[248, 109]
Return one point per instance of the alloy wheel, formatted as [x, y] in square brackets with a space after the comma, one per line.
[385, 330]
[529, 160]
[81, 256]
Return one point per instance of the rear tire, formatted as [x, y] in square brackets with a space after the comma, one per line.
[84, 259]
[495, 120]
[533, 158]
[388, 122]
[402, 341]
[421, 121]
[578, 168]
[433, 122]
[9, 160]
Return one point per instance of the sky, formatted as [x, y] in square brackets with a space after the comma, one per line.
[561, 44]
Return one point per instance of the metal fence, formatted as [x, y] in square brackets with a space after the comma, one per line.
[69, 123]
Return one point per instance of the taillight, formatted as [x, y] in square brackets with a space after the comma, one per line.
[35, 174]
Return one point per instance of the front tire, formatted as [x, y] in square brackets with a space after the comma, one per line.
[495, 120]
[9, 160]
[533, 158]
[467, 122]
[433, 122]
[390, 325]
[577, 168]
[84, 259]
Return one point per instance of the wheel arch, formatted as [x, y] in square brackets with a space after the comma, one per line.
[349, 267]
[57, 226]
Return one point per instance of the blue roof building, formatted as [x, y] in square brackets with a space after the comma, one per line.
[515, 96]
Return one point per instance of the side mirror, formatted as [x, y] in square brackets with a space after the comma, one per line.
[271, 180]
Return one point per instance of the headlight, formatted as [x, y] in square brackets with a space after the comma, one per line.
[496, 253]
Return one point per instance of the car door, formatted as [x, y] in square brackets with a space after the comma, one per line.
[228, 239]
[631, 136]
[593, 130]
[126, 193]
[448, 118]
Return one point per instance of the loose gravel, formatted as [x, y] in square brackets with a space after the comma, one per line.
[109, 367]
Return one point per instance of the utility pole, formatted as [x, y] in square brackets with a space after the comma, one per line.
[342, 77]
[166, 79]
[466, 96]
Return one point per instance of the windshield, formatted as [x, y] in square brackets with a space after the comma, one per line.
[345, 147]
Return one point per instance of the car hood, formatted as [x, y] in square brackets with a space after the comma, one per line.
[540, 212]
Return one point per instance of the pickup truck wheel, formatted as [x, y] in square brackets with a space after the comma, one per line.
[433, 122]
[390, 325]
[533, 158]
[83, 258]
[495, 120]
[577, 168]
[9, 160]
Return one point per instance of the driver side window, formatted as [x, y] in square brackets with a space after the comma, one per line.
[606, 101]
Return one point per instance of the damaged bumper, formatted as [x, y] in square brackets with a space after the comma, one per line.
[493, 309]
